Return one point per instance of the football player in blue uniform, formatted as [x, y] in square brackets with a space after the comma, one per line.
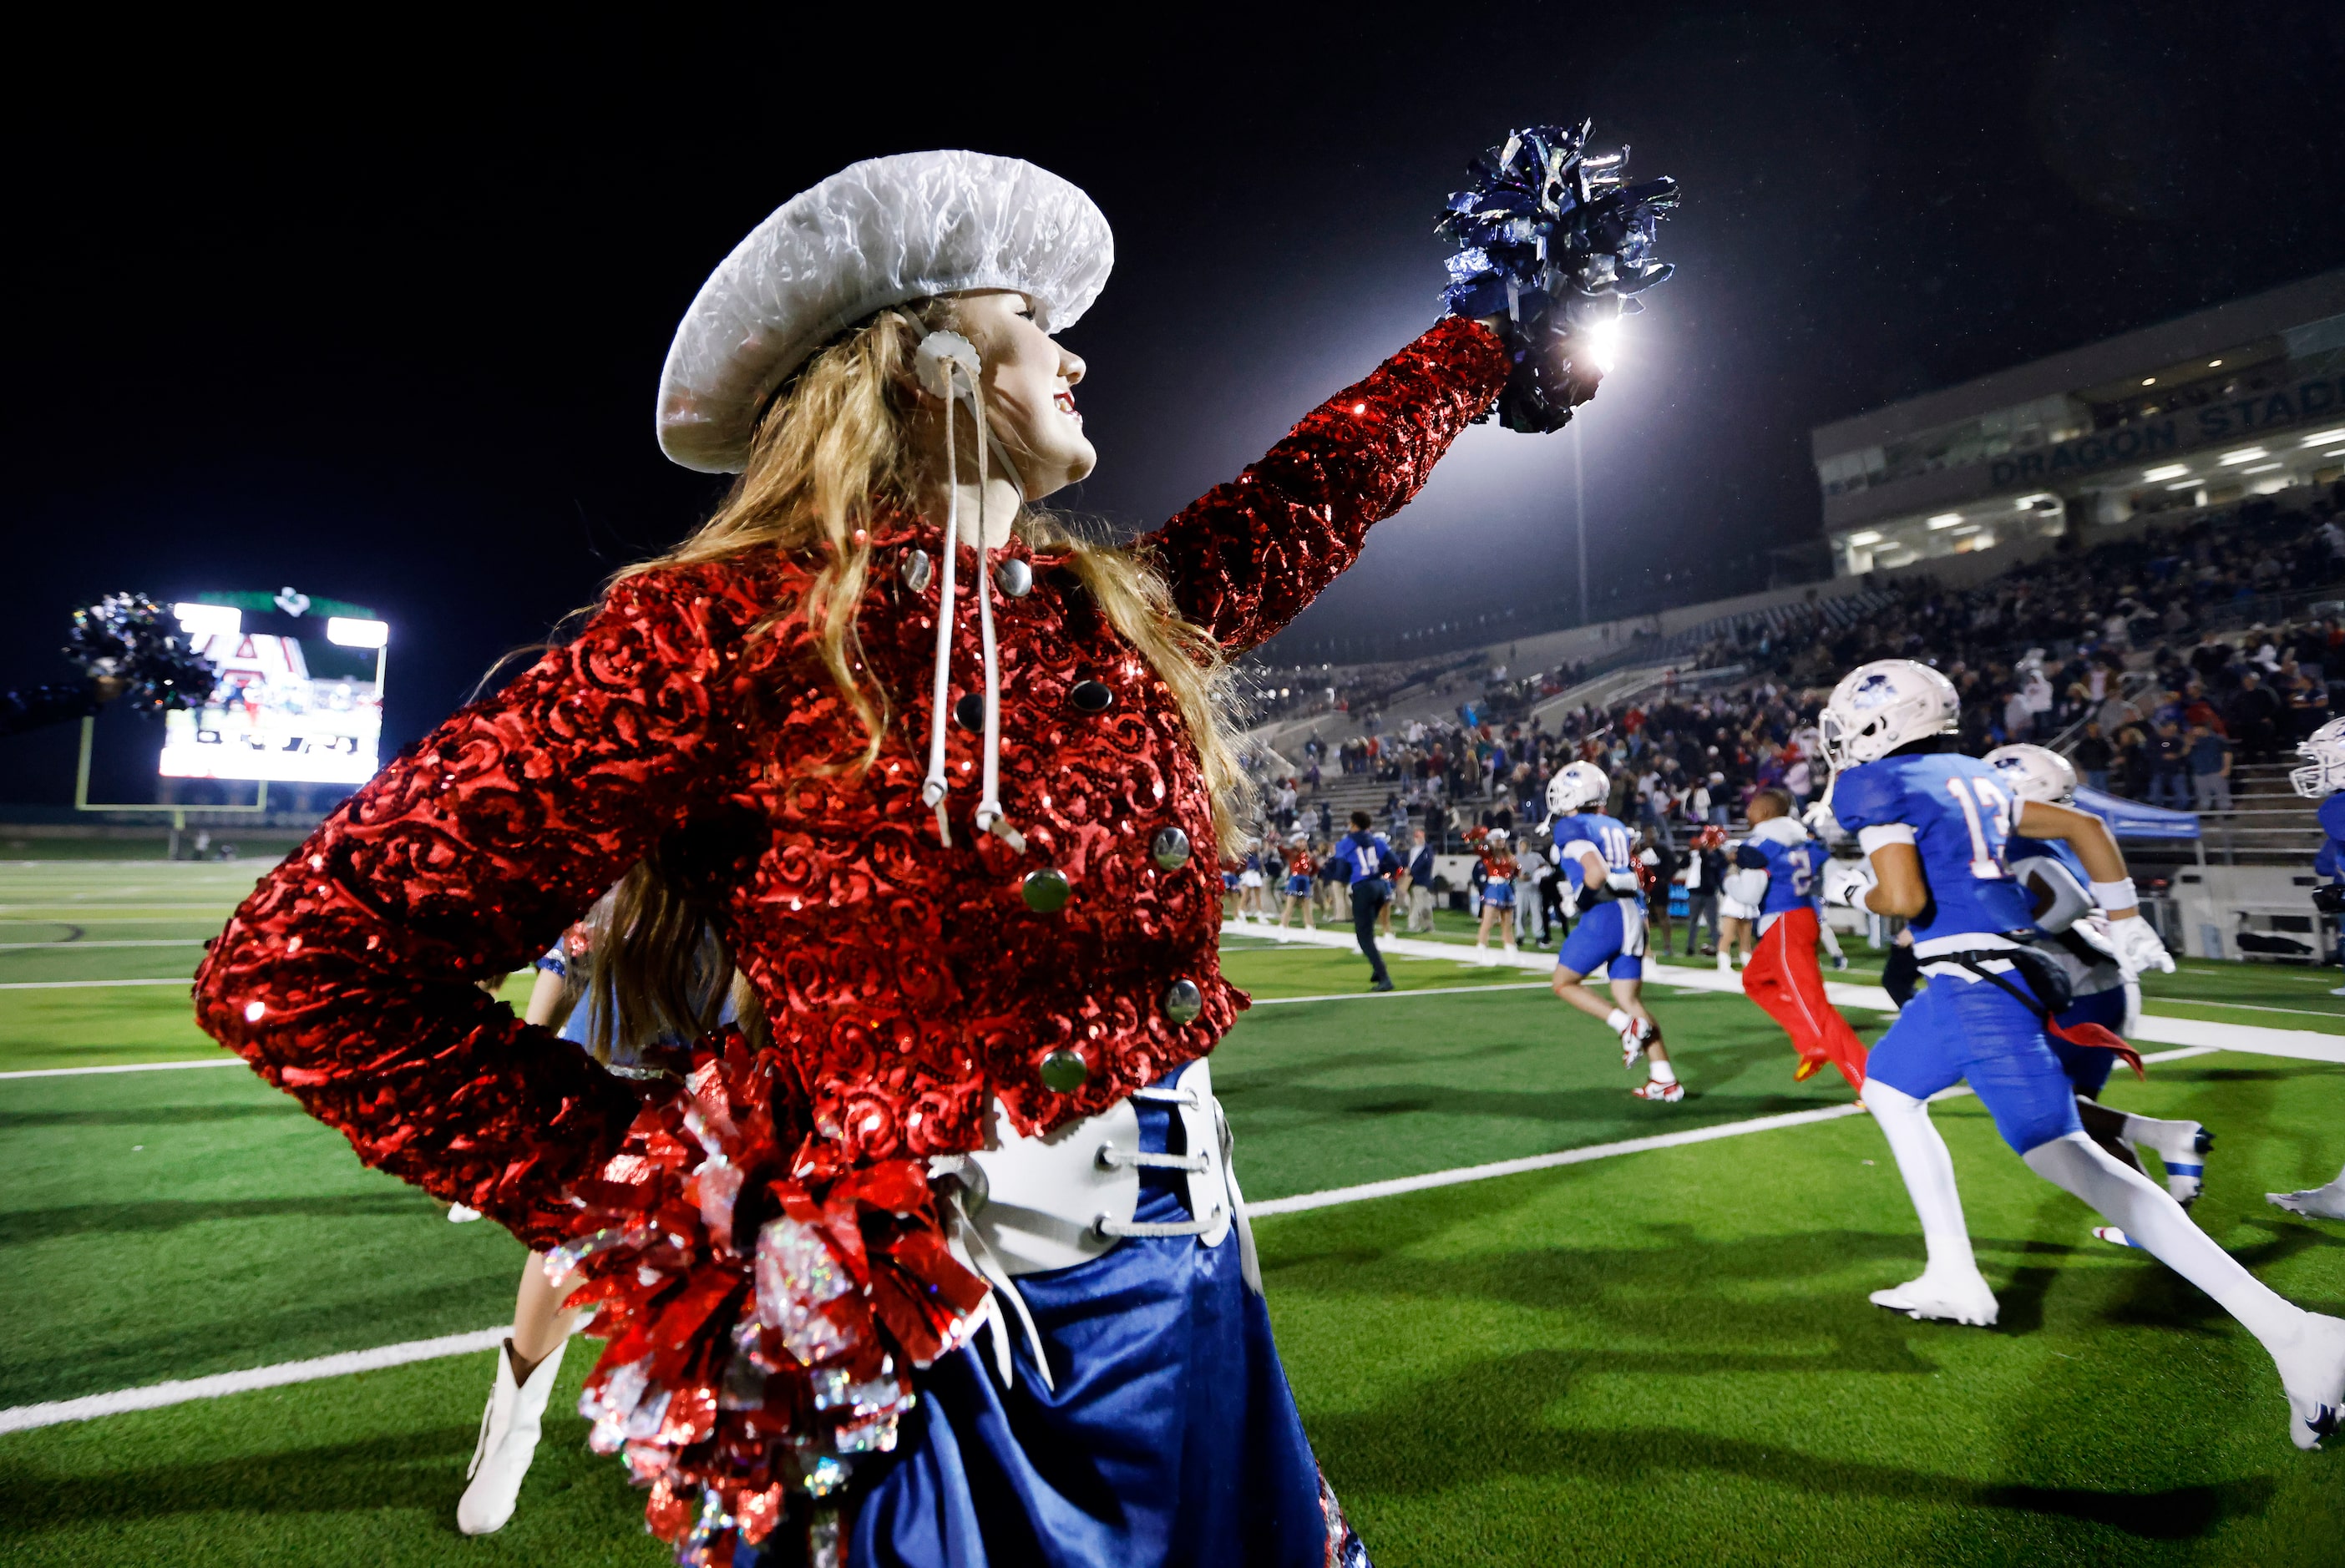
[2322, 778]
[1596, 852]
[2104, 991]
[1934, 825]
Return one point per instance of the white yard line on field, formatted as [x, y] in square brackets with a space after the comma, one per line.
[90, 914]
[187, 980]
[154, 1396]
[1398, 995]
[125, 1067]
[2303, 1045]
[87, 919]
[158, 1395]
[117, 941]
[2243, 1007]
[1305, 1201]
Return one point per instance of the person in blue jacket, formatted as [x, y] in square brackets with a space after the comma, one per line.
[1935, 826]
[1367, 867]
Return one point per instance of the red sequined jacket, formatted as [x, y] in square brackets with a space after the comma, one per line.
[906, 984]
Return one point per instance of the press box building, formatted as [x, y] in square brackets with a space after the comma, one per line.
[2244, 399]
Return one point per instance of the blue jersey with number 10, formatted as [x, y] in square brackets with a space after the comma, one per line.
[1609, 836]
[1960, 817]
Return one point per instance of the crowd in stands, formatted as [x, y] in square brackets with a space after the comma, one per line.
[2159, 663]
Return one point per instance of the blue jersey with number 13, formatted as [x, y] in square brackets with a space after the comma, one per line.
[1961, 818]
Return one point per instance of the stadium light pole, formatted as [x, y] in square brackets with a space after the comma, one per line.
[1580, 512]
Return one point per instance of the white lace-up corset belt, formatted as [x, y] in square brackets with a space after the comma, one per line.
[1030, 1205]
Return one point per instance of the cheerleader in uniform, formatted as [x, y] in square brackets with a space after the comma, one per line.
[1301, 878]
[1498, 885]
[949, 1267]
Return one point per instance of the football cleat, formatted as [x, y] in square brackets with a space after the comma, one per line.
[1640, 1034]
[2312, 1373]
[2185, 1159]
[2186, 1171]
[2113, 1236]
[2314, 1202]
[1949, 1297]
[1809, 1067]
[1654, 1088]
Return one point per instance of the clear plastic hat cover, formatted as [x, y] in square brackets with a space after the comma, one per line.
[876, 234]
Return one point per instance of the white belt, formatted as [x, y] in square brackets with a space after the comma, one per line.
[1028, 1205]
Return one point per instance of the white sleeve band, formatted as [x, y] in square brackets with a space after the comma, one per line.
[2116, 894]
[1869, 839]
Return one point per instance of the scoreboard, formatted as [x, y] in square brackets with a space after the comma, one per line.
[299, 696]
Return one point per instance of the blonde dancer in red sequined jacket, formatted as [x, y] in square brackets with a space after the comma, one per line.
[908, 984]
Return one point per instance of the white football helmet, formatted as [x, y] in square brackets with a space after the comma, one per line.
[1880, 706]
[1576, 787]
[2034, 772]
[2324, 773]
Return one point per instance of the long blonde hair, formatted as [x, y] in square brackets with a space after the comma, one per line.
[834, 449]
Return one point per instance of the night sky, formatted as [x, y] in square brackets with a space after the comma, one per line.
[380, 316]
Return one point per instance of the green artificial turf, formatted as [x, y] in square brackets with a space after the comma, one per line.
[174, 1224]
[1659, 1358]
[1667, 1359]
[359, 1472]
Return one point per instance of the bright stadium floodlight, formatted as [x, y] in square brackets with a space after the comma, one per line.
[2323, 438]
[2186, 484]
[1604, 344]
[2340, 452]
[1868, 537]
[355, 634]
[2244, 455]
[2260, 468]
[1946, 520]
[2165, 471]
[210, 619]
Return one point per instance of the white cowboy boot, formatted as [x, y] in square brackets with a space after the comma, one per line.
[508, 1429]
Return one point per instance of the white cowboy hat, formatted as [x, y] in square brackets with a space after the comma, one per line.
[878, 233]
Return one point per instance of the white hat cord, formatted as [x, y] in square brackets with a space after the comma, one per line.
[948, 367]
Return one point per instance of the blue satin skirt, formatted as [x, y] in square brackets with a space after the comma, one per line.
[1171, 1440]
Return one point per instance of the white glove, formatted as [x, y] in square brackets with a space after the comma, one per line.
[2138, 950]
[2093, 930]
[1821, 822]
[1847, 882]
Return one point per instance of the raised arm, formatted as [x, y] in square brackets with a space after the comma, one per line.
[347, 978]
[1245, 557]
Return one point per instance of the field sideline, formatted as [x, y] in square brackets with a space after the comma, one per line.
[1655, 1356]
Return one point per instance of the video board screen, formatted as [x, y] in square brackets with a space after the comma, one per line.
[295, 705]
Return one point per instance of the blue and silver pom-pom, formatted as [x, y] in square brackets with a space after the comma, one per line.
[1552, 238]
[133, 639]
